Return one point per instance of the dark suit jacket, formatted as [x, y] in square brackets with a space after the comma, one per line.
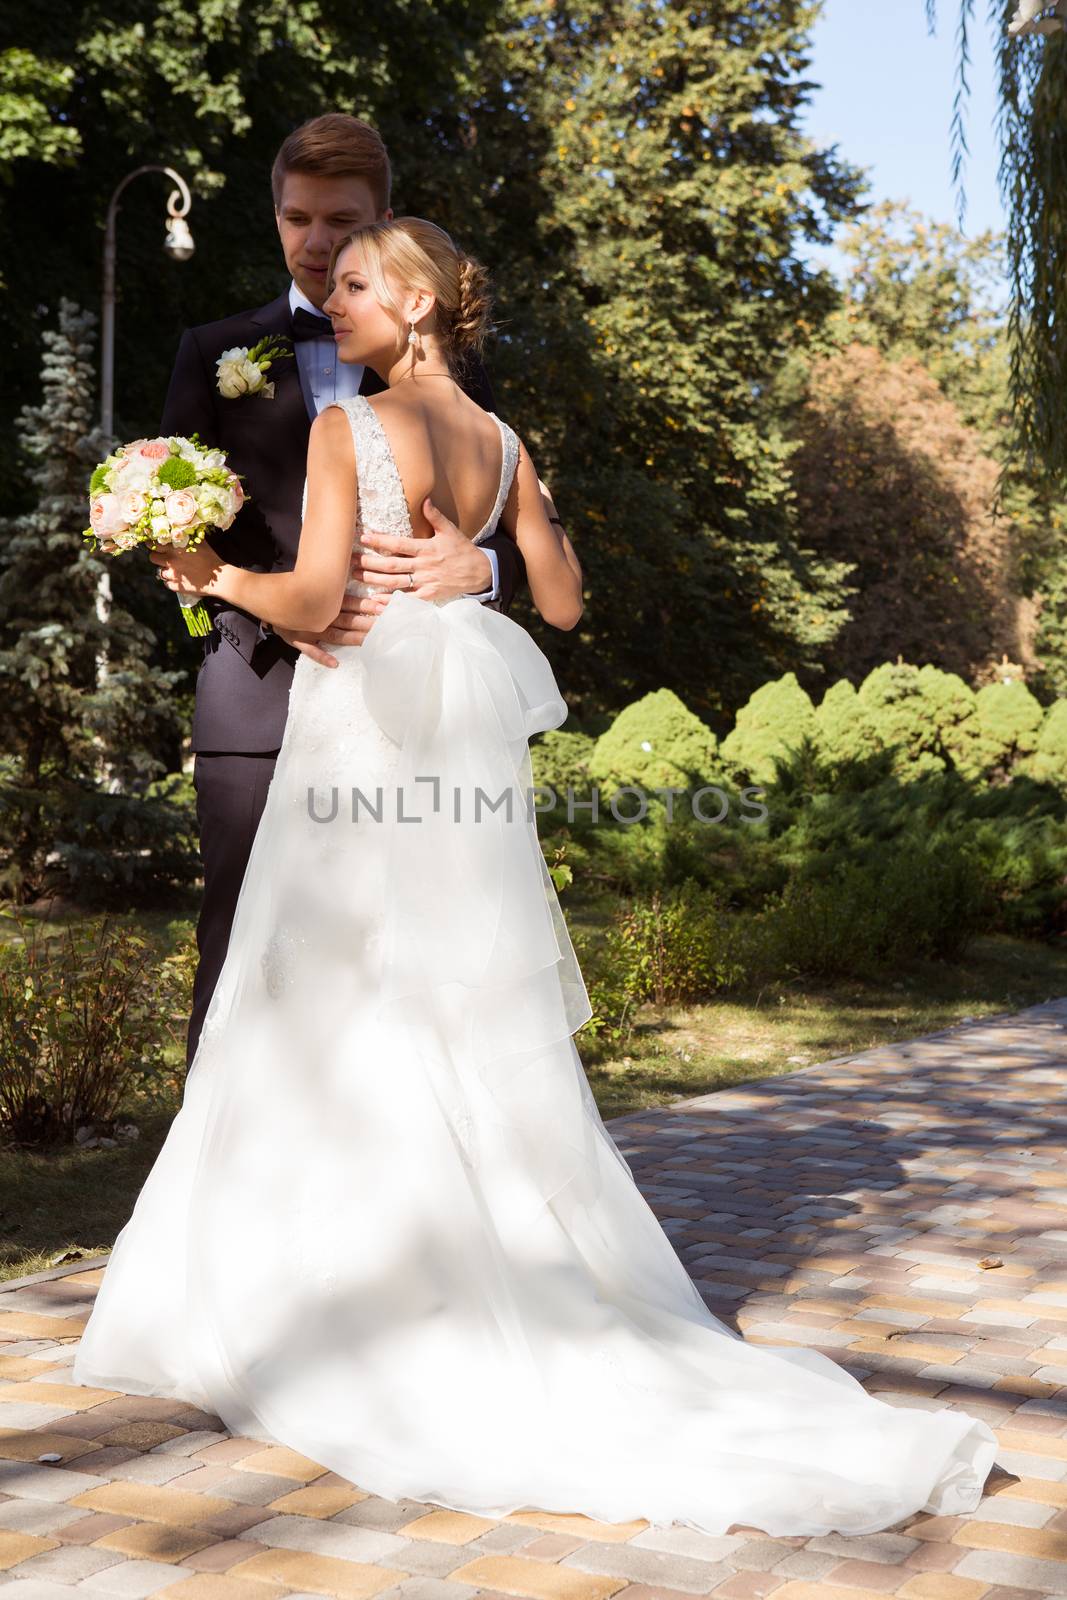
[242, 687]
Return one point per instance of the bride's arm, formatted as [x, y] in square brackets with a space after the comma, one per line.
[308, 598]
[552, 569]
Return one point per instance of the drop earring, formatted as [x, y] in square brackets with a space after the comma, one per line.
[415, 340]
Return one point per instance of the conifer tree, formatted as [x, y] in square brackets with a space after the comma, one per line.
[64, 719]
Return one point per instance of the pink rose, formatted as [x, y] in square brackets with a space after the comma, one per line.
[105, 514]
[133, 504]
[155, 449]
[238, 491]
[181, 508]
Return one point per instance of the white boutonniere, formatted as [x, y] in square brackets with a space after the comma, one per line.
[244, 371]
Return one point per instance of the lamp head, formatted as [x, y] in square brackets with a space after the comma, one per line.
[179, 241]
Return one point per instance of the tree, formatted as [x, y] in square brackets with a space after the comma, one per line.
[889, 477]
[1033, 179]
[920, 290]
[58, 721]
[637, 175]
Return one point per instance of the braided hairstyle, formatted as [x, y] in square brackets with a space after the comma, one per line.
[419, 255]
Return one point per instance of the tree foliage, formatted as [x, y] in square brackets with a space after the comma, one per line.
[1032, 88]
[65, 719]
[890, 476]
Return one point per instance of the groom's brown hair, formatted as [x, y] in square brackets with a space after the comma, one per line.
[335, 146]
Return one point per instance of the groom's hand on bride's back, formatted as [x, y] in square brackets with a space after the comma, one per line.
[441, 567]
[351, 626]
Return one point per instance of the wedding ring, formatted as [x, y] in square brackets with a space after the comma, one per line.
[411, 580]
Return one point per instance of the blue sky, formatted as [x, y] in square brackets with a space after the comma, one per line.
[886, 99]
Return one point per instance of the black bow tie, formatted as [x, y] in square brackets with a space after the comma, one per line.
[307, 326]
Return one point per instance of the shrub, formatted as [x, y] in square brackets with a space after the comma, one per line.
[925, 716]
[673, 948]
[844, 729]
[1009, 721]
[858, 918]
[656, 743]
[83, 1018]
[560, 759]
[1048, 764]
[771, 726]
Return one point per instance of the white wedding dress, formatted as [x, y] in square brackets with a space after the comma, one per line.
[388, 1227]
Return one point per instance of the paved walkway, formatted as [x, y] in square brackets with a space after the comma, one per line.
[904, 1210]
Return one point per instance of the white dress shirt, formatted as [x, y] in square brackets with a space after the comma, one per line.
[324, 378]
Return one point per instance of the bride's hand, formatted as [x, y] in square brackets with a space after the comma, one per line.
[188, 571]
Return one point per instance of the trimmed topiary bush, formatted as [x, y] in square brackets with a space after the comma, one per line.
[656, 743]
[773, 724]
[560, 759]
[1048, 764]
[844, 730]
[925, 716]
[1009, 720]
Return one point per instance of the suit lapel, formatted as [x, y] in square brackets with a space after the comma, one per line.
[276, 319]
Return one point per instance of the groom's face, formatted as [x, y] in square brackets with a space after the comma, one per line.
[312, 214]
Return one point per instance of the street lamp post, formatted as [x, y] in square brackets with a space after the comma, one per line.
[179, 245]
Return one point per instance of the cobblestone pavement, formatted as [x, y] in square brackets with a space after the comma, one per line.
[904, 1210]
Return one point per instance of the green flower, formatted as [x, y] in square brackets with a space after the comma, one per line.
[98, 481]
[177, 473]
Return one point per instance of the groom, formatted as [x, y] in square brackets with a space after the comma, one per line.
[330, 176]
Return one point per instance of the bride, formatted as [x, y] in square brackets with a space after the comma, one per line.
[388, 1227]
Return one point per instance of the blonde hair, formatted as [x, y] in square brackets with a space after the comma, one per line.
[420, 255]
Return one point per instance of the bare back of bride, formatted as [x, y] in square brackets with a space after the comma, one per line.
[388, 1227]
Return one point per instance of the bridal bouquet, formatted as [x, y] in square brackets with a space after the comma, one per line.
[161, 492]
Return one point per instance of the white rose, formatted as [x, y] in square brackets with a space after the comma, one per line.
[161, 529]
[135, 474]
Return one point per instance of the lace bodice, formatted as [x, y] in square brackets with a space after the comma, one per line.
[382, 505]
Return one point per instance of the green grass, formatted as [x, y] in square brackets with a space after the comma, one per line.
[55, 1202]
[675, 1053]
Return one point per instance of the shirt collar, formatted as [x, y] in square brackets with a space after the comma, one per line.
[297, 297]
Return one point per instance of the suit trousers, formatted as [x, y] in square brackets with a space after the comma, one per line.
[231, 791]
